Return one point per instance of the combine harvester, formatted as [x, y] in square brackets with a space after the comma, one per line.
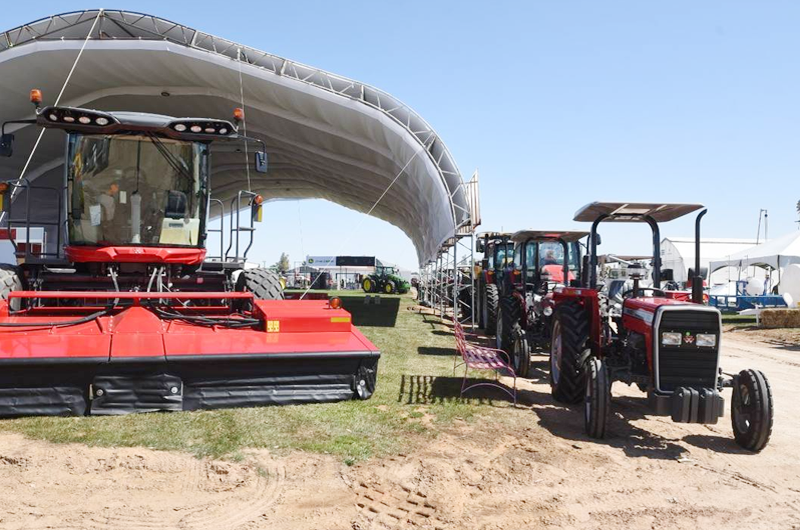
[127, 313]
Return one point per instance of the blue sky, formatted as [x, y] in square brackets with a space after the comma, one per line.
[556, 103]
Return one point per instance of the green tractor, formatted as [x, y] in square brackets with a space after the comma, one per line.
[385, 280]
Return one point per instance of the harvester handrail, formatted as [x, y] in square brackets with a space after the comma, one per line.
[131, 295]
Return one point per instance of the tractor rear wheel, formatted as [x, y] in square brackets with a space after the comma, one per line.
[751, 410]
[491, 301]
[569, 349]
[509, 315]
[368, 285]
[481, 307]
[598, 396]
[10, 281]
[263, 283]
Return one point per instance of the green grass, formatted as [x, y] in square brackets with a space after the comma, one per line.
[416, 397]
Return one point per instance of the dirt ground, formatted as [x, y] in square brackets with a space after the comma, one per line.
[529, 467]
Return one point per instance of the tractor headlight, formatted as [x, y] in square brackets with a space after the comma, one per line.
[670, 339]
[707, 340]
[547, 310]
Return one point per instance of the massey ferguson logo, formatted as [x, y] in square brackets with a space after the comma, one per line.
[688, 338]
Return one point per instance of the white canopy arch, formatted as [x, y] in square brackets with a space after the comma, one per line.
[327, 136]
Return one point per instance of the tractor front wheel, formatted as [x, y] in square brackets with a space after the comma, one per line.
[751, 410]
[598, 396]
[569, 349]
[491, 302]
[390, 287]
[520, 352]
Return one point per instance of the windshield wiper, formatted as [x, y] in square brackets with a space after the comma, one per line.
[178, 164]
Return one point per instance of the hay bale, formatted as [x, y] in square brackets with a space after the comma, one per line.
[780, 318]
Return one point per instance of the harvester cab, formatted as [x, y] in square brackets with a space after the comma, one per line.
[125, 311]
[665, 342]
[498, 251]
[543, 260]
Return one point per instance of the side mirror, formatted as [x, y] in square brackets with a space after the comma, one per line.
[261, 161]
[176, 205]
[667, 275]
[599, 239]
[480, 246]
[6, 145]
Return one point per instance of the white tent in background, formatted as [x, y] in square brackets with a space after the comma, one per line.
[774, 254]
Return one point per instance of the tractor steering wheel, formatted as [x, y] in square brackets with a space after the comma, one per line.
[656, 292]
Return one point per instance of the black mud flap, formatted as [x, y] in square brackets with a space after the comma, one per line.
[43, 391]
[66, 400]
[125, 394]
[365, 379]
[690, 405]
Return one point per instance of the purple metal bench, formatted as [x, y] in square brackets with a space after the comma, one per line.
[482, 358]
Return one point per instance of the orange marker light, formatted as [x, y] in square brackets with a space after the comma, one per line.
[335, 302]
[36, 96]
[238, 114]
[258, 200]
[3, 187]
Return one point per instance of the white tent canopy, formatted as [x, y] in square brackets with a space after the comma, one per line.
[775, 254]
[327, 136]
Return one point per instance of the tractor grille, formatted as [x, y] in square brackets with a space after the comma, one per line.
[687, 365]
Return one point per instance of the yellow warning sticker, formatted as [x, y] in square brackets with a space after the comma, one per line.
[273, 326]
[340, 319]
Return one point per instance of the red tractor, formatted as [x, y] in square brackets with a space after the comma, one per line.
[665, 342]
[543, 260]
[123, 312]
[497, 251]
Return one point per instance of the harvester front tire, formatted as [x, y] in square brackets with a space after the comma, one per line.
[751, 410]
[569, 349]
[10, 281]
[598, 397]
[263, 283]
[491, 303]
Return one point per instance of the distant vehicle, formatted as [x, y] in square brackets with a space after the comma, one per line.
[385, 280]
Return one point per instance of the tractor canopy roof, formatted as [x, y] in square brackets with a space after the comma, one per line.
[91, 121]
[493, 235]
[569, 236]
[628, 212]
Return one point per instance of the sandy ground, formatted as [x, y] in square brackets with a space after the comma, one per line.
[526, 468]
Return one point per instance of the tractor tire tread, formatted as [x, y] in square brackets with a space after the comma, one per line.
[757, 437]
[492, 301]
[263, 283]
[575, 338]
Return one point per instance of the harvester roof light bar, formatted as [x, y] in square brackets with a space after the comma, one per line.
[56, 115]
[216, 128]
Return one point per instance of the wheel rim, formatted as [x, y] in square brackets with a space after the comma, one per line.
[516, 354]
[556, 353]
[741, 410]
[388, 289]
[367, 285]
